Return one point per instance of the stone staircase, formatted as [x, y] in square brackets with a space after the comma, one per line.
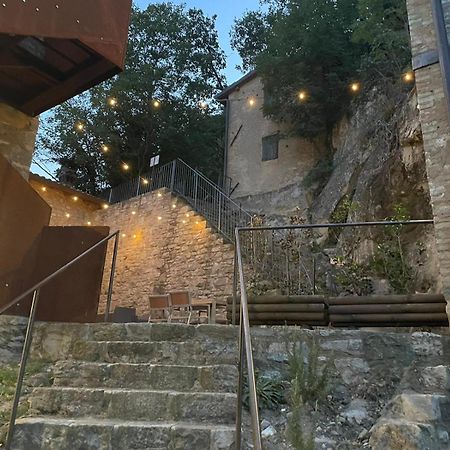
[419, 417]
[134, 387]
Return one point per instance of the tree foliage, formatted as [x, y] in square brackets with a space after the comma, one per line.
[173, 63]
[319, 48]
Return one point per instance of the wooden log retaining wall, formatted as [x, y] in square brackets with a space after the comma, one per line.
[386, 310]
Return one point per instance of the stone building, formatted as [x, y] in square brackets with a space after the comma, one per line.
[264, 164]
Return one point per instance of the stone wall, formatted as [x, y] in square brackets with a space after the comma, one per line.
[164, 245]
[433, 108]
[296, 156]
[17, 137]
[69, 207]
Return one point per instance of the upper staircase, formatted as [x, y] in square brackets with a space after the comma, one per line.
[205, 197]
[133, 386]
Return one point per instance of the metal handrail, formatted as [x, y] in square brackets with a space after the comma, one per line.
[206, 197]
[35, 290]
[245, 345]
[215, 186]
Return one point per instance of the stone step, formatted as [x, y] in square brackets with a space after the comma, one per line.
[55, 341]
[135, 404]
[38, 433]
[182, 353]
[217, 378]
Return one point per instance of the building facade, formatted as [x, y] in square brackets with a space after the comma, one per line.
[264, 163]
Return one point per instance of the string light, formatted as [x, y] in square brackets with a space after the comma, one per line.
[302, 96]
[408, 77]
[145, 181]
[68, 215]
[134, 236]
[159, 194]
[105, 206]
[156, 103]
[43, 189]
[183, 221]
[174, 206]
[197, 222]
[355, 87]
[79, 126]
[203, 105]
[159, 218]
[124, 235]
[125, 166]
[187, 214]
[105, 148]
[89, 224]
[112, 101]
[75, 198]
[133, 213]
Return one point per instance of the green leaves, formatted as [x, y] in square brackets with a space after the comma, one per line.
[173, 57]
[320, 47]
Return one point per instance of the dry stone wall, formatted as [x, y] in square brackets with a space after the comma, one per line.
[164, 246]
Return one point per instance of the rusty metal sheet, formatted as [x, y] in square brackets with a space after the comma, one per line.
[102, 25]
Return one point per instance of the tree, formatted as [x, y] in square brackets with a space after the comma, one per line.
[310, 52]
[156, 106]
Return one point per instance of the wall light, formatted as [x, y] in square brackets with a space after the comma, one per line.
[75, 198]
[355, 87]
[105, 206]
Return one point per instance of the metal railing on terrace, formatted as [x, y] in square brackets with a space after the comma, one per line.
[297, 264]
[202, 194]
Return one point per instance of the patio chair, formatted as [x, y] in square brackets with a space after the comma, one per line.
[181, 305]
[160, 309]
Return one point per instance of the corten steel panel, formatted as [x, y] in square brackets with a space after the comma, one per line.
[72, 296]
[23, 214]
[51, 50]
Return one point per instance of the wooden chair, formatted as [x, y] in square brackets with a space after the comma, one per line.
[160, 308]
[181, 306]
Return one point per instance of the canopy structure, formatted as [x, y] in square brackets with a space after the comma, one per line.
[52, 50]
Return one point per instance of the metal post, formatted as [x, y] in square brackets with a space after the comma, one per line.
[314, 276]
[111, 277]
[235, 281]
[172, 176]
[195, 190]
[240, 385]
[219, 225]
[110, 195]
[245, 324]
[21, 374]
[138, 186]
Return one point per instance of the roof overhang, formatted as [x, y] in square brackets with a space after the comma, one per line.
[223, 96]
[51, 51]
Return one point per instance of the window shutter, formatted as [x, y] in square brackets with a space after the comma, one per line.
[270, 147]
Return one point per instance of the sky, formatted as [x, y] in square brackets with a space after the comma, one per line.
[226, 11]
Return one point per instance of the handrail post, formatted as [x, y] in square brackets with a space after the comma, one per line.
[240, 385]
[22, 366]
[111, 277]
[235, 281]
[245, 325]
[195, 189]
[172, 175]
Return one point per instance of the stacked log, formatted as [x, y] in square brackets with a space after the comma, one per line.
[282, 310]
[388, 310]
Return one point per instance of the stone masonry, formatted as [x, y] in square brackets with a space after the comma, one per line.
[164, 245]
[436, 131]
[17, 138]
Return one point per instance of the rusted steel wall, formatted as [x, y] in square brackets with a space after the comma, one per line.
[23, 214]
[100, 24]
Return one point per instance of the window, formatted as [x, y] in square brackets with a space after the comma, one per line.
[270, 147]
